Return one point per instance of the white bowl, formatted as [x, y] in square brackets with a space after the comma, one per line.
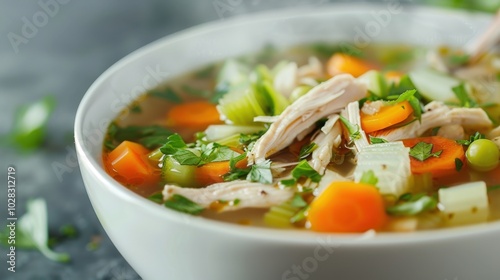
[162, 244]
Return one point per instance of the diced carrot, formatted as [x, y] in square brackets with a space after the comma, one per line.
[344, 63]
[387, 116]
[347, 207]
[198, 114]
[442, 165]
[130, 164]
[213, 172]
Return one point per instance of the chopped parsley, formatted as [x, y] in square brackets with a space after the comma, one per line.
[375, 140]
[472, 138]
[302, 170]
[261, 173]
[463, 97]
[32, 231]
[157, 197]
[411, 204]
[183, 204]
[298, 201]
[152, 136]
[30, 124]
[409, 95]
[368, 177]
[353, 130]
[167, 94]
[306, 150]
[422, 151]
[458, 164]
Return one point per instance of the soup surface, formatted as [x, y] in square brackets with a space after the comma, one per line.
[321, 137]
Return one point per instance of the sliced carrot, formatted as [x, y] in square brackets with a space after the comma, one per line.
[387, 116]
[347, 207]
[343, 63]
[213, 172]
[199, 114]
[130, 164]
[440, 166]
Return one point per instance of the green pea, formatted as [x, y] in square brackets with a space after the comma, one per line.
[483, 155]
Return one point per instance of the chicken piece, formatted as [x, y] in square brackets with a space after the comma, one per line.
[249, 194]
[436, 114]
[485, 42]
[493, 133]
[326, 139]
[474, 118]
[323, 100]
[291, 76]
[351, 113]
[452, 131]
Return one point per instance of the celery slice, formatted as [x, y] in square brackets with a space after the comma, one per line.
[279, 216]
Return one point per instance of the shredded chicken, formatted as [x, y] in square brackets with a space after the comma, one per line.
[249, 194]
[485, 42]
[326, 139]
[494, 133]
[291, 76]
[371, 108]
[351, 113]
[452, 131]
[323, 100]
[437, 114]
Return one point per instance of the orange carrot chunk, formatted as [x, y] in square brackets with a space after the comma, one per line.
[343, 63]
[130, 163]
[441, 165]
[347, 207]
[213, 172]
[387, 116]
[198, 114]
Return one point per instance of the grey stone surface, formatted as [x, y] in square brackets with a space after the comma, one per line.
[75, 41]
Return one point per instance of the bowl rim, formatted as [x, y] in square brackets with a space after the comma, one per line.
[296, 237]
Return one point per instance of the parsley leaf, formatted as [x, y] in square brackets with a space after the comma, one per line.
[30, 124]
[472, 138]
[261, 172]
[458, 164]
[157, 197]
[167, 94]
[182, 204]
[422, 151]
[353, 130]
[304, 170]
[32, 231]
[369, 177]
[409, 95]
[463, 97]
[174, 142]
[298, 201]
[306, 150]
[288, 182]
[413, 206]
[151, 136]
[375, 140]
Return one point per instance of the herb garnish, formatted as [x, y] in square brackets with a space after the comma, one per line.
[298, 201]
[306, 150]
[302, 170]
[157, 197]
[182, 204]
[30, 124]
[472, 138]
[458, 164]
[412, 205]
[152, 136]
[353, 130]
[167, 94]
[375, 140]
[463, 97]
[368, 177]
[422, 151]
[32, 231]
[409, 95]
